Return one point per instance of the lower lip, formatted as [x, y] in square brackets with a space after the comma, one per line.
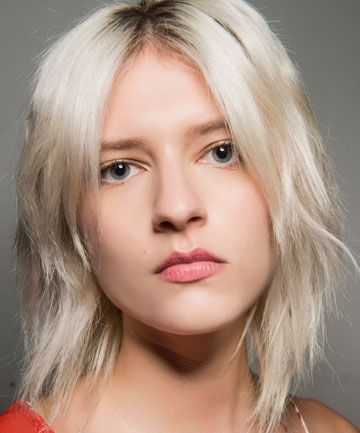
[190, 271]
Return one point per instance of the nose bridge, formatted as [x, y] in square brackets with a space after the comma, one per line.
[177, 202]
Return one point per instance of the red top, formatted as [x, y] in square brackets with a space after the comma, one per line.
[21, 418]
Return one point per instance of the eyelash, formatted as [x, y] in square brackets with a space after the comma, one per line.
[108, 165]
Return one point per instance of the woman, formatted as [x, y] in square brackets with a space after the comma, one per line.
[174, 195]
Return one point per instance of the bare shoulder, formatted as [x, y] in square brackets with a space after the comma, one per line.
[319, 418]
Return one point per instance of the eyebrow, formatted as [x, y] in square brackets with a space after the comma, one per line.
[193, 131]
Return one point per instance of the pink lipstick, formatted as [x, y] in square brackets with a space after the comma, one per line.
[192, 266]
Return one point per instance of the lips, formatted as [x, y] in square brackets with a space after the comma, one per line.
[197, 255]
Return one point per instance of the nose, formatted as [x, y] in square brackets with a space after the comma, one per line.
[177, 202]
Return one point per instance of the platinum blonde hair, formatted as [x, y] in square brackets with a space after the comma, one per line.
[71, 330]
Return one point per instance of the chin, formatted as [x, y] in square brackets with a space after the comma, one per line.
[195, 318]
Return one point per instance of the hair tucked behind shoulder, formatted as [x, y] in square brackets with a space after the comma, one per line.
[71, 330]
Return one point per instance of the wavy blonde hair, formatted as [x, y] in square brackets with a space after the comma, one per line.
[71, 329]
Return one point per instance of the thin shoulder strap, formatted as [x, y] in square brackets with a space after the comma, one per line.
[300, 417]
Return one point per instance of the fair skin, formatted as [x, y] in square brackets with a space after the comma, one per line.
[176, 196]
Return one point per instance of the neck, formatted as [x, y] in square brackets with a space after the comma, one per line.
[176, 381]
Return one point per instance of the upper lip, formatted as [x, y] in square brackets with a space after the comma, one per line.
[197, 255]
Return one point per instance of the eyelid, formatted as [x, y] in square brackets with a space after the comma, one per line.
[218, 144]
[107, 164]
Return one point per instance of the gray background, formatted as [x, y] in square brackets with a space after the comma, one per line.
[323, 37]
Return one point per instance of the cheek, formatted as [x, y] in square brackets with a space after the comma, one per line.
[88, 226]
[244, 208]
[251, 235]
[256, 222]
[113, 238]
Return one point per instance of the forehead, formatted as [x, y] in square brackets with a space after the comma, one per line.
[158, 91]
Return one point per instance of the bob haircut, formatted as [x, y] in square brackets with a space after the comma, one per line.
[71, 330]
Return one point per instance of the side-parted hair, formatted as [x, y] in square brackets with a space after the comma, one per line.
[71, 330]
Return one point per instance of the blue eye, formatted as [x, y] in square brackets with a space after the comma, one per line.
[225, 152]
[116, 171]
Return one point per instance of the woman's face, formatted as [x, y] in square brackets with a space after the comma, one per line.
[173, 193]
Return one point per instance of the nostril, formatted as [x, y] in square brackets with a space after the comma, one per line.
[167, 226]
[194, 219]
